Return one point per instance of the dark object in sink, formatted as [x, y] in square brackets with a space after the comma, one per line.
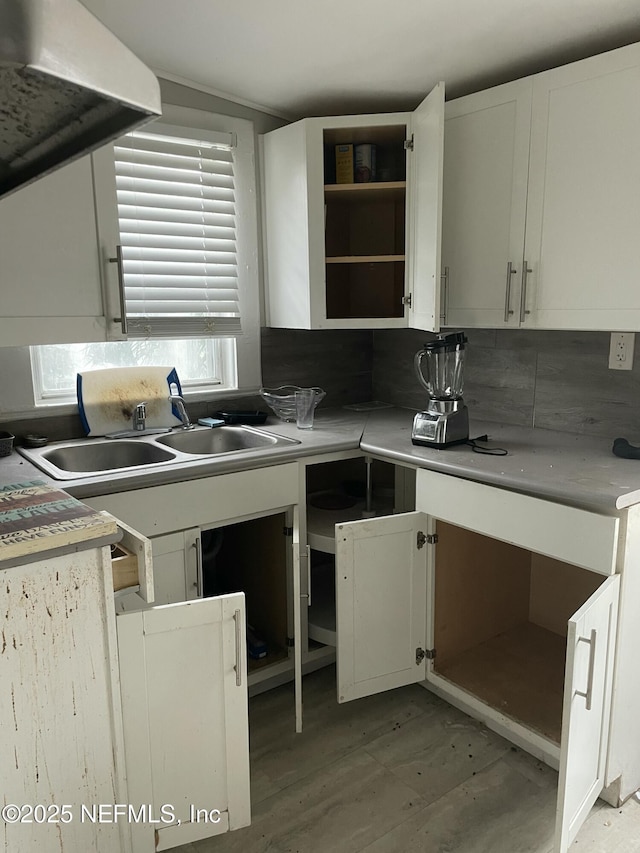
[242, 417]
[622, 448]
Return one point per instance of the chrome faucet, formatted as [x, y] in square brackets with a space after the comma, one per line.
[177, 400]
[140, 417]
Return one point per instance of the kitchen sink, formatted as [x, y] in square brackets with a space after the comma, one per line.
[226, 439]
[78, 459]
[89, 457]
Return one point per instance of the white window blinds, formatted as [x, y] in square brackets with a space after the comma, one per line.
[177, 217]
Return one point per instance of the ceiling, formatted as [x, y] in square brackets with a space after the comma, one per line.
[298, 58]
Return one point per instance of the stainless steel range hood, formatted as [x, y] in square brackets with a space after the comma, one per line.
[67, 86]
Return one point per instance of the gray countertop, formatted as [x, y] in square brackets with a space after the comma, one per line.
[577, 470]
[572, 469]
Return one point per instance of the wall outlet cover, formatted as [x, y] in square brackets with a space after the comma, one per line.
[621, 350]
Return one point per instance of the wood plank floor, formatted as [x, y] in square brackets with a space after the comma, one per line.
[401, 772]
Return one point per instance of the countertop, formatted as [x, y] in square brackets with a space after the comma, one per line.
[576, 470]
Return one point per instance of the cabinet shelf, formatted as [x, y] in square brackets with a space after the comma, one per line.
[366, 259]
[321, 523]
[493, 671]
[375, 191]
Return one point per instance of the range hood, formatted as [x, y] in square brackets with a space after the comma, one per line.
[67, 86]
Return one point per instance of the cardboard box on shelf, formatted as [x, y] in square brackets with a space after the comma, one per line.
[344, 164]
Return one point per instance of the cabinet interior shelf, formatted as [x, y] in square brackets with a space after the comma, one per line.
[365, 259]
[321, 523]
[493, 671]
[373, 191]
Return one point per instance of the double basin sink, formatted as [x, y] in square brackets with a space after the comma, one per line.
[90, 457]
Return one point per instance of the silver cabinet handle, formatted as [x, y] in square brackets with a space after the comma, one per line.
[198, 582]
[588, 693]
[508, 310]
[122, 319]
[523, 293]
[445, 296]
[237, 618]
[308, 548]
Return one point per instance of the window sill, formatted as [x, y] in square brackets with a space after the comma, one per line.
[47, 410]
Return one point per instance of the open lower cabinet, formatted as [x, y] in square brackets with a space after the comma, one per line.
[186, 667]
[225, 557]
[502, 604]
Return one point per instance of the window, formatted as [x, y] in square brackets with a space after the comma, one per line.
[188, 224]
[177, 219]
[201, 363]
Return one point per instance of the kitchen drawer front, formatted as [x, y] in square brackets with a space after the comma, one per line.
[197, 503]
[576, 536]
[132, 561]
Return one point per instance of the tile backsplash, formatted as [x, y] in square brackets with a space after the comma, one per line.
[337, 361]
[550, 380]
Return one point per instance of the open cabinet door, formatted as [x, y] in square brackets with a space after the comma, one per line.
[297, 619]
[586, 709]
[183, 683]
[427, 125]
[381, 604]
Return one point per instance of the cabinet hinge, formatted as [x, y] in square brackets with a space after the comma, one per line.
[288, 531]
[426, 539]
[406, 300]
[290, 642]
[408, 144]
[421, 654]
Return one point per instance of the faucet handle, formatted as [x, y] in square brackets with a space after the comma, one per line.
[140, 416]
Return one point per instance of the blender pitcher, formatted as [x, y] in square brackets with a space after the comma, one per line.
[440, 365]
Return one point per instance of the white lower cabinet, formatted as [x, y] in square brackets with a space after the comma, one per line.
[504, 605]
[174, 572]
[183, 680]
[226, 554]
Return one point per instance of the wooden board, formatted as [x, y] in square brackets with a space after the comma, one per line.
[253, 560]
[124, 566]
[35, 518]
[557, 591]
[481, 589]
[365, 290]
[519, 672]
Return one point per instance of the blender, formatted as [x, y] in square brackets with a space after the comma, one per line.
[439, 367]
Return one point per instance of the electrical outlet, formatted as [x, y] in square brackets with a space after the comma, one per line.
[621, 350]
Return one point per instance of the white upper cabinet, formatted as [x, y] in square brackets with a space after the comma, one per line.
[541, 208]
[484, 205]
[55, 241]
[583, 208]
[355, 255]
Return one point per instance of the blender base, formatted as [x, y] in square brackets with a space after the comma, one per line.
[441, 429]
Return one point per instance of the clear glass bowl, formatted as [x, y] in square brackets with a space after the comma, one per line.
[282, 400]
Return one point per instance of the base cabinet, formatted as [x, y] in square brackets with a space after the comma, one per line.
[183, 680]
[502, 604]
[61, 747]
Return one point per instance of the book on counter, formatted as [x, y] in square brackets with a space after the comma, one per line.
[35, 517]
